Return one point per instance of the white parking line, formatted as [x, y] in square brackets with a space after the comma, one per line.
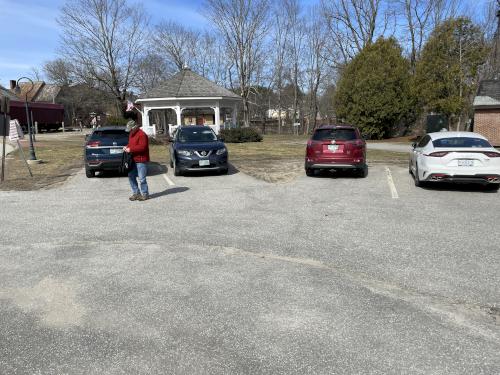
[169, 181]
[390, 181]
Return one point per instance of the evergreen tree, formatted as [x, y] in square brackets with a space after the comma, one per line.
[373, 91]
[447, 74]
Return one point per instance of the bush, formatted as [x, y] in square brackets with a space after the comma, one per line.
[241, 135]
[118, 121]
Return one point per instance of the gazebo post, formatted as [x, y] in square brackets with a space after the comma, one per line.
[217, 117]
[178, 111]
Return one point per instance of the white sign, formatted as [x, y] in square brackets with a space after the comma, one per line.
[16, 133]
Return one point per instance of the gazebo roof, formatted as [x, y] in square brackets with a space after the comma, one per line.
[187, 84]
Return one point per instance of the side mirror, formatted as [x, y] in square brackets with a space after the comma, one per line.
[221, 138]
[414, 144]
[365, 136]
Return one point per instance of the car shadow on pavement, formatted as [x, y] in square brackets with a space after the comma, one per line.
[174, 190]
[231, 170]
[335, 174]
[155, 168]
[445, 186]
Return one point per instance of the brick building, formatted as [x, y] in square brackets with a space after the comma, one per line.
[487, 111]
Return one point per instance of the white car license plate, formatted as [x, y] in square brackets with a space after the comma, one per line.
[466, 163]
[204, 163]
[333, 147]
[115, 150]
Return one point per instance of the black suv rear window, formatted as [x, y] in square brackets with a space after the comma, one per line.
[461, 142]
[337, 134]
[115, 135]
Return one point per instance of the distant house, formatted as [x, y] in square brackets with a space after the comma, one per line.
[82, 103]
[46, 115]
[487, 110]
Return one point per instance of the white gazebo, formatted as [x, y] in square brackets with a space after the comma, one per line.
[187, 99]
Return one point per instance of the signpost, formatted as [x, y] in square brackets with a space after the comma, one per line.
[4, 130]
[15, 134]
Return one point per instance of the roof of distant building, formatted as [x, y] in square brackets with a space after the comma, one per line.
[488, 94]
[187, 84]
[8, 93]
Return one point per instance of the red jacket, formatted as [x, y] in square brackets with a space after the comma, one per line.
[139, 146]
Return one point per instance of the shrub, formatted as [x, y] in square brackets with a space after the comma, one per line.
[118, 121]
[241, 135]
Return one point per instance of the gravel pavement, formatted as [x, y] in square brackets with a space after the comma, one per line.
[231, 275]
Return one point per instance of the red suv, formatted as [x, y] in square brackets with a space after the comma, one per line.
[336, 147]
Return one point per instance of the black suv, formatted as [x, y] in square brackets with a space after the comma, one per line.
[104, 148]
[197, 148]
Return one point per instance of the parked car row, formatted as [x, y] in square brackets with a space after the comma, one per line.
[193, 148]
[461, 157]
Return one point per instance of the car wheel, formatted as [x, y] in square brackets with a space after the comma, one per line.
[492, 187]
[362, 172]
[416, 178]
[177, 171]
[89, 173]
[310, 172]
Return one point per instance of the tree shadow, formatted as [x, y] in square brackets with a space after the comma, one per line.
[174, 190]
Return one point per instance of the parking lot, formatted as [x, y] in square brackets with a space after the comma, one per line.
[233, 275]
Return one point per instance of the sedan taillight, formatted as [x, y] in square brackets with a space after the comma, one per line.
[438, 154]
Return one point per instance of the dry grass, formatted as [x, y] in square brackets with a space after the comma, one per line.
[62, 157]
[281, 158]
[275, 159]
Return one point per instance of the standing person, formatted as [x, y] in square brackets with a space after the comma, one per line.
[138, 146]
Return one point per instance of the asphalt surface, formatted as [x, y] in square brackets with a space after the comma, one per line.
[231, 275]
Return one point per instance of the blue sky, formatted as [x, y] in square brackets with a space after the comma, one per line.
[29, 33]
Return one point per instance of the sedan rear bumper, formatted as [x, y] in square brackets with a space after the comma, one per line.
[334, 165]
[464, 179]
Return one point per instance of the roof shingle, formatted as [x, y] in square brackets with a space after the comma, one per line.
[187, 84]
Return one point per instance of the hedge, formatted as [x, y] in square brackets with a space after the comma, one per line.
[241, 135]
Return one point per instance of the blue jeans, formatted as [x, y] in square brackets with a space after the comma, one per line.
[139, 171]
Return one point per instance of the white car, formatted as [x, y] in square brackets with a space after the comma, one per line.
[455, 157]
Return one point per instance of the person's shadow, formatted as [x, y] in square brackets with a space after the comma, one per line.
[174, 190]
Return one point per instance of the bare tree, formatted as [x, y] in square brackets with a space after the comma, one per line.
[177, 42]
[151, 70]
[296, 31]
[353, 24]
[279, 52]
[316, 64]
[105, 39]
[417, 15]
[212, 63]
[59, 71]
[243, 25]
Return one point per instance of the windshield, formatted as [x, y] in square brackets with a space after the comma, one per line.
[114, 135]
[460, 142]
[337, 134]
[196, 135]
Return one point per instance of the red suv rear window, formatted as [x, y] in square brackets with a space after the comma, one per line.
[337, 134]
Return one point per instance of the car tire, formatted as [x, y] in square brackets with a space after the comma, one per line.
[89, 173]
[177, 171]
[310, 172]
[492, 187]
[362, 172]
[416, 178]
